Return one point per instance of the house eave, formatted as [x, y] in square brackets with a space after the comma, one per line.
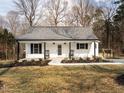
[57, 39]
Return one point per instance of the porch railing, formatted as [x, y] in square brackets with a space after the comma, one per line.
[47, 54]
[71, 54]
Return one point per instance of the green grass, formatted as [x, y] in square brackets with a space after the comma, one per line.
[58, 79]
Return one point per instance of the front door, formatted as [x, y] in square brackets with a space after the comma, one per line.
[59, 49]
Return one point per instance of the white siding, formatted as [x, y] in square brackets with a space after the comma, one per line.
[91, 49]
[28, 52]
[85, 52]
[53, 48]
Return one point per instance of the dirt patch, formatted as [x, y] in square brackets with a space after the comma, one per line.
[120, 79]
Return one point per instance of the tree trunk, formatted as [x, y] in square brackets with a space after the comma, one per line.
[107, 34]
[6, 50]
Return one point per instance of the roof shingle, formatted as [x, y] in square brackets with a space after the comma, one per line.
[58, 33]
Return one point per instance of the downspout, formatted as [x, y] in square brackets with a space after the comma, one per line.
[44, 50]
[18, 50]
[94, 49]
[69, 50]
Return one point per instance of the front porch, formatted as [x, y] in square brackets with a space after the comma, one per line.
[54, 49]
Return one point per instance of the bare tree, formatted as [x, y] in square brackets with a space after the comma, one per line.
[55, 11]
[30, 10]
[2, 22]
[71, 18]
[23, 27]
[107, 13]
[13, 21]
[108, 9]
[83, 11]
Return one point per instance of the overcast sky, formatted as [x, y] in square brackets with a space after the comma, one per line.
[7, 5]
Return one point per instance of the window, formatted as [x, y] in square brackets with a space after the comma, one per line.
[82, 45]
[36, 48]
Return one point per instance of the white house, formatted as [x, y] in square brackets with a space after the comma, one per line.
[63, 41]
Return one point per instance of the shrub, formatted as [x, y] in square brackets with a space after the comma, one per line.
[99, 59]
[16, 61]
[32, 60]
[81, 60]
[88, 59]
[40, 59]
[122, 51]
[2, 55]
[85, 60]
[73, 58]
[24, 61]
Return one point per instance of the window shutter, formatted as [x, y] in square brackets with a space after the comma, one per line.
[40, 48]
[77, 45]
[31, 48]
[86, 46]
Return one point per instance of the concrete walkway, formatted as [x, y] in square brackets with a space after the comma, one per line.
[82, 64]
[116, 60]
[57, 62]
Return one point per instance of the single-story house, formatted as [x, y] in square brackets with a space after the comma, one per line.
[62, 41]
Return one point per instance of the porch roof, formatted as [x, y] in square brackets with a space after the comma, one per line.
[49, 33]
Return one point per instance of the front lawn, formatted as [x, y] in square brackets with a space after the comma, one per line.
[58, 79]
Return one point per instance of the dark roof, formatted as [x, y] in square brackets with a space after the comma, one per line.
[58, 33]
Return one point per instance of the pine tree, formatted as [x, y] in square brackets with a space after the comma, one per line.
[119, 22]
[120, 11]
[7, 42]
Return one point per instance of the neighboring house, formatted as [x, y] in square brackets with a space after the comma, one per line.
[62, 41]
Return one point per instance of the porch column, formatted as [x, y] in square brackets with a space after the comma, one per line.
[69, 50]
[44, 50]
[94, 49]
[18, 50]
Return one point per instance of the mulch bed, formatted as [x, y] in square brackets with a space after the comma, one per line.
[84, 61]
[73, 61]
[26, 63]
